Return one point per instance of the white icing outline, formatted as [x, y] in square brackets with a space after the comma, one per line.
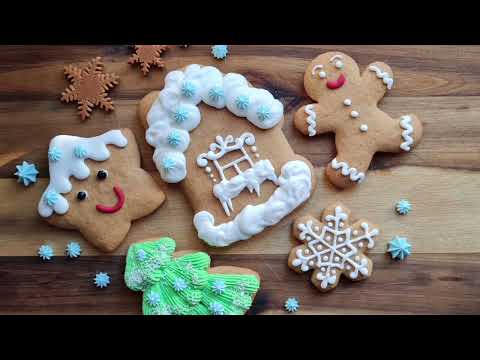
[71, 165]
[353, 173]
[311, 120]
[334, 57]
[387, 79]
[405, 123]
[327, 274]
[295, 185]
[203, 78]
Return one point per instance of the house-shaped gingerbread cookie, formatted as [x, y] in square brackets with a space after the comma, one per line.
[221, 140]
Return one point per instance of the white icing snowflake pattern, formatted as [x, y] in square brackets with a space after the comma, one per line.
[333, 248]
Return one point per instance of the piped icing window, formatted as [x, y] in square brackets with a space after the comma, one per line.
[175, 113]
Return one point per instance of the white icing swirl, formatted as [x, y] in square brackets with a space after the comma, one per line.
[406, 123]
[387, 79]
[173, 110]
[295, 185]
[353, 173]
[311, 120]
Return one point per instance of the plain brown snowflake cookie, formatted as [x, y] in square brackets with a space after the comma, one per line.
[89, 86]
[147, 55]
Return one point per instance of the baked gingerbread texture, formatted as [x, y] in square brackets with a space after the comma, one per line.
[346, 103]
[183, 283]
[220, 139]
[332, 246]
[89, 87]
[98, 187]
[147, 56]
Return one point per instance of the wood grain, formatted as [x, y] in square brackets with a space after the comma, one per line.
[441, 84]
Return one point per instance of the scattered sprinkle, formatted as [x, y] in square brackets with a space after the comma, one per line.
[220, 51]
[403, 207]
[27, 173]
[102, 280]
[292, 305]
[45, 252]
[216, 308]
[399, 248]
[179, 284]
[153, 298]
[218, 287]
[73, 249]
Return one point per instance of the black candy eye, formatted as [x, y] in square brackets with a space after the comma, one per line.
[82, 195]
[102, 174]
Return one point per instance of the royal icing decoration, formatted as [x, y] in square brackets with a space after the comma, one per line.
[406, 123]
[101, 280]
[399, 248]
[27, 173]
[220, 51]
[353, 173]
[73, 250]
[294, 187]
[333, 247]
[292, 305]
[403, 207]
[45, 252]
[176, 108]
[70, 164]
[311, 120]
[387, 79]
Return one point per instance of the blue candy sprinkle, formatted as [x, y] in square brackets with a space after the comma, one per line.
[403, 207]
[242, 102]
[54, 154]
[216, 308]
[174, 138]
[80, 152]
[102, 280]
[399, 248]
[292, 305]
[180, 115]
[218, 287]
[153, 298]
[220, 51]
[188, 89]
[179, 284]
[51, 197]
[45, 252]
[264, 113]
[141, 255]
[27, 173]
[73, 249]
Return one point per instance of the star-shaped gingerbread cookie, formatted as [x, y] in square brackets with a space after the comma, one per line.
[98, 187]
[89, 86]
[347, 104]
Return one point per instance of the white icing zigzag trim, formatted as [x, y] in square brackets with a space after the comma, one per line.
[354, 174]
[295, 186]
[311, 120]
[387, 80]
[405, 123]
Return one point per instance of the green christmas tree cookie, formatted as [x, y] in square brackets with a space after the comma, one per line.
[184, 284]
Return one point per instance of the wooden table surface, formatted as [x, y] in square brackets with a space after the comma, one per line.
[441, 84]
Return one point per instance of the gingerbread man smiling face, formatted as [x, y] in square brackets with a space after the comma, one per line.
[347, 104]
[97, 187]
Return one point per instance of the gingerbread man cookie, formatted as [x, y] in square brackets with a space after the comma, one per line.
[97, 186]
[221, 140]
[332, 247]
[347, 104]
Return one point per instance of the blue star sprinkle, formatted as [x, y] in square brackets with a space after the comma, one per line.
[73, 250]
[168, 164]
[102, 280]
[216, 93]
[80, 152]
[141, 255]
[217, 308]
[153, 298]
[54, 154]
[188, 89]
[403, 207]
[218, 287]
[220, 51]
[179, 284]
[173, 138]
[242, 102]
[27, 173]
[264, 113]
[51, 197]
[292, 305]
[180, 115]
[399, 248]
[45, 252]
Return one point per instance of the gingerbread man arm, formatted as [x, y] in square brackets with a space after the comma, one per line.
[313, 120]
[377, 78]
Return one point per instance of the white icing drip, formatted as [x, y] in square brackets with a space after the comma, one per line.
[71, 165]
[405, 123]
[311, 120]
[295, 185]
[354, 174]
[214, 89]
[329, 253]
[387, 80]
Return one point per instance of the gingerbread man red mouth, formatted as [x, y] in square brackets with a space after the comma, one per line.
[118, 206]
[337, 84]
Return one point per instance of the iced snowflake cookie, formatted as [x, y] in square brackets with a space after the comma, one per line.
[183, 283]
[97, 186]
[221, 139]
[332, 246]
[347, 104]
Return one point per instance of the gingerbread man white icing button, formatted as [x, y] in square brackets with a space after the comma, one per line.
[345, 86]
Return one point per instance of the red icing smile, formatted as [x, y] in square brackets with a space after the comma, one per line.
[120, 202]
[336, 84]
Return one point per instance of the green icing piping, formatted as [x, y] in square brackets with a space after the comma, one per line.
[156, 271]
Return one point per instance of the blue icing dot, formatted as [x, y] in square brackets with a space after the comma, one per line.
[179, 284]
[218, 287]
[102, 280]
[188, 89]
[219, 51]
[216, 93]
[242, 102]
[153, 298]
[403, 207]
[51, 197]
[45, 252]
[73, 250]
[264, 113]
[54, 154]
[180, 114]
[291, 305]
[80, 152]
[168, 164]
[399, 248]
[174, 138]
[27, 173]
[216, 308]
